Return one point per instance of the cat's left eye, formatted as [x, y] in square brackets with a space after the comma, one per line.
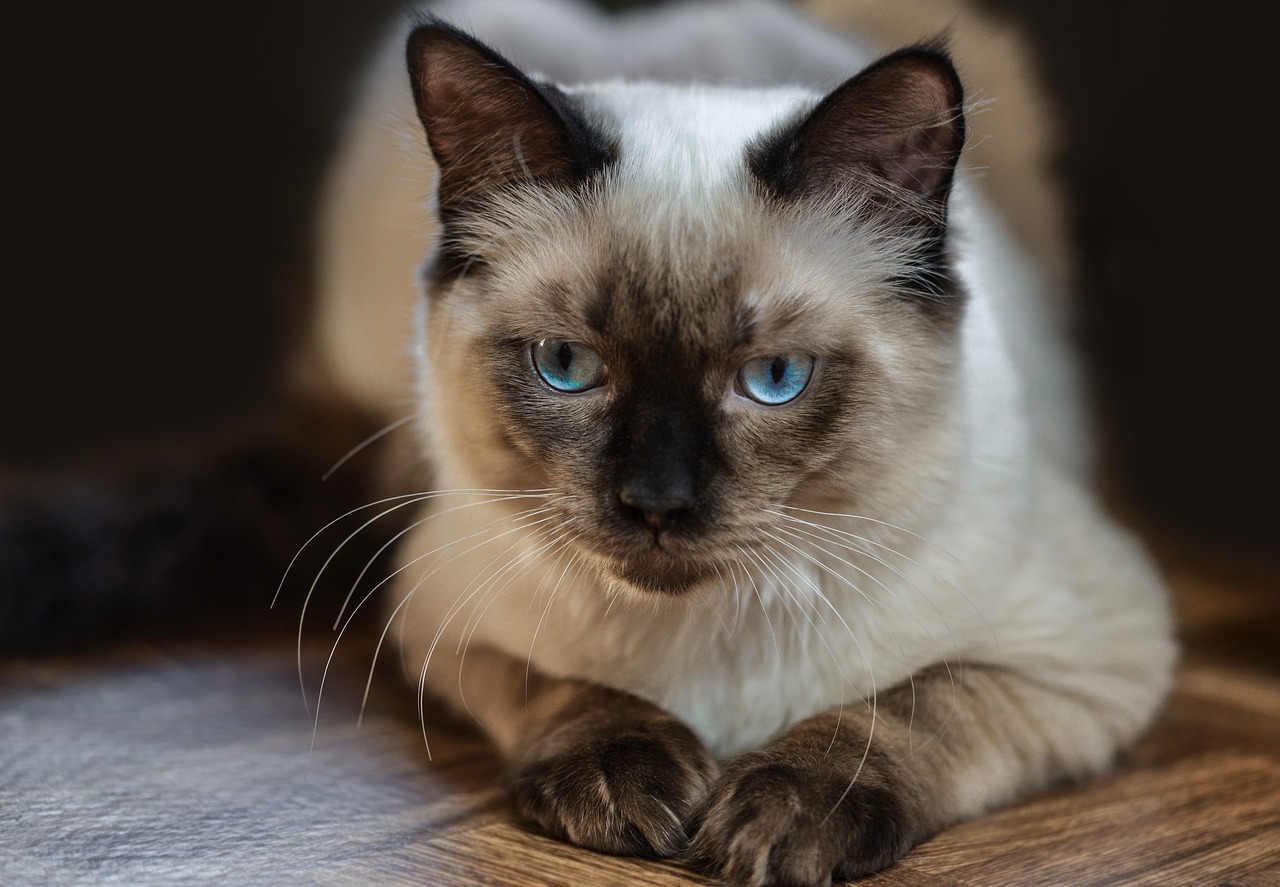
[567, 366]
[775, 379]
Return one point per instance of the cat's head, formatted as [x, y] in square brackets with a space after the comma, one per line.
[680, 309]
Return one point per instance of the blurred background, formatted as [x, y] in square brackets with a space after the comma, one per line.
[167, 156]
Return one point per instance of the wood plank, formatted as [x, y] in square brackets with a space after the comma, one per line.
[1160, 826]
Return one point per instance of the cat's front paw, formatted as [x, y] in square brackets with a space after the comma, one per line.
[774, 820]
[622, 782]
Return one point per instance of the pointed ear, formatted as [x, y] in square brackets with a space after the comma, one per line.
[489, 125]
[901, 121]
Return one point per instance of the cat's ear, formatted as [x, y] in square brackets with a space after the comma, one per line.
[489, 126]
[901, 121]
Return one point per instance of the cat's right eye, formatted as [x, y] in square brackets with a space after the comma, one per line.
[569, 367]
[775, 379]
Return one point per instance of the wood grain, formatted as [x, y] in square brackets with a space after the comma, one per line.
[201, 764]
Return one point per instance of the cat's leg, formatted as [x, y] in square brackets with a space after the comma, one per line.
[846, 793]
[590, 765]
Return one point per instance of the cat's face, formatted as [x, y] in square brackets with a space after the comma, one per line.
[675, 368]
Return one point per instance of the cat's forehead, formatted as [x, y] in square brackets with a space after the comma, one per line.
[719, 270]
[687, 138]
[677, 238]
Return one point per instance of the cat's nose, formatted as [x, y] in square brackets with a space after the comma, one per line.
[657, 509]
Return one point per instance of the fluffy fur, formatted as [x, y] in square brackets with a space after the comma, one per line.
[884, 606]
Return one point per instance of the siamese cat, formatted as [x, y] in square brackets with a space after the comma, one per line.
[754, 524]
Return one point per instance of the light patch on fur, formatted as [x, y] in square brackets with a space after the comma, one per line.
[687, 141]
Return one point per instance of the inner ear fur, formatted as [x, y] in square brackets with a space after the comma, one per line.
[901, 120]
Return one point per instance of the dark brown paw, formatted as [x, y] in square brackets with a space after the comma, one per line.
[777, 821]
[615, 782]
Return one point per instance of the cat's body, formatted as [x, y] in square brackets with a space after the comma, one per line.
[736, 458]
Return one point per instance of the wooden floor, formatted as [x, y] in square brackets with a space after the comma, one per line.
[198, 764]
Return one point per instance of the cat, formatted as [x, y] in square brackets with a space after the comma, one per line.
[750, 533]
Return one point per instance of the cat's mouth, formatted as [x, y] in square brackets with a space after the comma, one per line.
[667, 554]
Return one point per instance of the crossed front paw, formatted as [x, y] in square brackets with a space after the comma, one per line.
[618, 785]
[802, 823]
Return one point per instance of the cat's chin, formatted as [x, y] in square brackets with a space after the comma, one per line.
[659, 576]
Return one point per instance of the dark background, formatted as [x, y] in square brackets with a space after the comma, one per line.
[166, 158]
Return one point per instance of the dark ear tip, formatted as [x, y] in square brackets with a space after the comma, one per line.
[433, 33]
[429, 31]
[426, 29]
[419, 41]
[434, 40]
[429, 25]
[931, 61]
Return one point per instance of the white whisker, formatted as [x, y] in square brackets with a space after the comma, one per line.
[466, 595]
[331, 523]
[812, 530]
[391, 618]
[871, 698]
[410, 499]
[512, 569]
[435, 515]
[818, 595]
[941, 618]
[872, 520]
[836, 574]
[551, 599]
[764, 609]
[371, 439]
[401, 501]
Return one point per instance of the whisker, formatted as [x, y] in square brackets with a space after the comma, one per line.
[944, 660]
[507, 567]
[371, 439]
[755, 587]
[715, 603]
[551, 599]
[845, 534]
[466, 595]
[862, 762]
[368, 595]
[872, 520]
[336, 520]
[402, 501]
[512, 569]
[410, 499]
[858, 550]
[871, 699]
[818, 594]
[392, 617]
[826, 568]
[910, 678]
[373, 559]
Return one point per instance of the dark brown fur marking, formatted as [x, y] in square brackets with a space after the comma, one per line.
[828, 800]
[612, 772]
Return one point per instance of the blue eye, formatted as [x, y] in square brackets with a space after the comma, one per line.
[776, 379]
[567, 366]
